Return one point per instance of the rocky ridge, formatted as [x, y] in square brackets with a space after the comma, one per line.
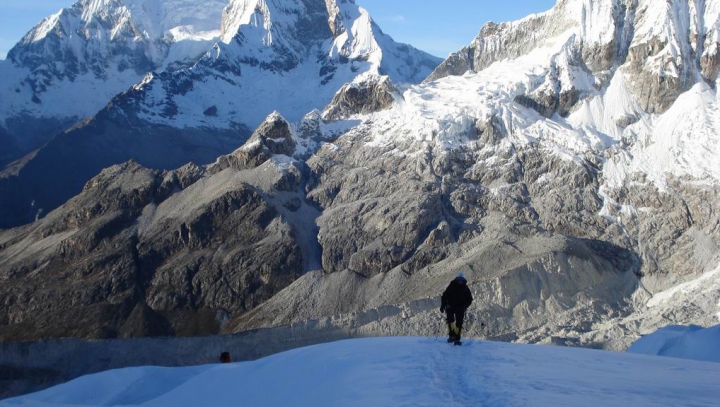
[152, 251]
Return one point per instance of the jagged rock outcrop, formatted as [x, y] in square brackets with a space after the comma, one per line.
[274, 136]
[368, 96]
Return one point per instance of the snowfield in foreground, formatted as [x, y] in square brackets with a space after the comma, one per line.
[405, 372]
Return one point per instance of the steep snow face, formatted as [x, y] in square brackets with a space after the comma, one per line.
[103, 33]
[444, 112]
[404, 371]
[284, 31]
[682, 143]
[294, 27]
[183, 19]
[276, 32]
[289, 55]
[94, 50]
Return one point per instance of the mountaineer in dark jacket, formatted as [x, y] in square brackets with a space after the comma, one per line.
[455, 301]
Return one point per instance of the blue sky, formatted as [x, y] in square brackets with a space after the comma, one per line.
[442, 27]
[431, 25]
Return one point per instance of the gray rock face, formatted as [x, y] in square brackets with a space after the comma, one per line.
[381, 215]
[142, 253]
[523, 288]
[272, 137]
[677, 231]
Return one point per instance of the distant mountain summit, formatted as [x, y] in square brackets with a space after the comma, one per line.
[74, 61]
[285, 55]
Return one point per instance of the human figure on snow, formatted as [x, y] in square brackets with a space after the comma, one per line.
[455, 301]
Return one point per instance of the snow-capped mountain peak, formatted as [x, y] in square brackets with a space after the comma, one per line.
[94, 50]
[316, 45]
[282, 33]
[266, 12]
[86, 21]
[357, 37]
[152, 26]
[245, 12]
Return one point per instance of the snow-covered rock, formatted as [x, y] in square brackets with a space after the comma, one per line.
[367, 96]
[661, 48]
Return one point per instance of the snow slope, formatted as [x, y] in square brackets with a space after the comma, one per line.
[687, 342]
[681, 142]
[404, 372]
